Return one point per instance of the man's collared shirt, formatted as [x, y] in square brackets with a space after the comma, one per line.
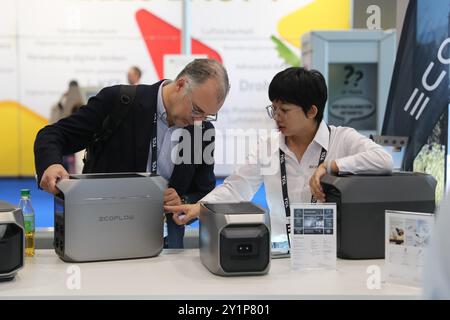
[164, 144]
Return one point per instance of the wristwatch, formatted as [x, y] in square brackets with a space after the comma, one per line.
[184, 200]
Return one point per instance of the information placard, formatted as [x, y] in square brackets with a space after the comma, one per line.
[407, 236]
[313, 235]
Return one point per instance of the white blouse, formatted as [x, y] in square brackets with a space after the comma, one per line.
[353, 153]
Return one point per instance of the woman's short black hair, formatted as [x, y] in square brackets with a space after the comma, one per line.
[301, 87]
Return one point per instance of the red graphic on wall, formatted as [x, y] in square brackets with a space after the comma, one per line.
[162, 38]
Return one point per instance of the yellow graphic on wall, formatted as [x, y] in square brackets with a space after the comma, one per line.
[318, 15]
[17, 134]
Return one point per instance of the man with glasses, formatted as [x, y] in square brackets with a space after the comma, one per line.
[196, 95]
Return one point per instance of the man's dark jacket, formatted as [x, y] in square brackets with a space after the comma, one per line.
[127, 149]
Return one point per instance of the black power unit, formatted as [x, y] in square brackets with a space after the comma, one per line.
[361, 204]
[12, 241]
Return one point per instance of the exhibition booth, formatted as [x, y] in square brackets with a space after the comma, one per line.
[102, 197]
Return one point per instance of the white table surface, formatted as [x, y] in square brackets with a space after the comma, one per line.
[179, 274]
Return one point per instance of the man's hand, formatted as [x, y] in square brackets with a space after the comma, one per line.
[171, 197]
[51, 176]
[183, 213]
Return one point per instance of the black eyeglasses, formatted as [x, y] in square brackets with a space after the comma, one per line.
[196, 112]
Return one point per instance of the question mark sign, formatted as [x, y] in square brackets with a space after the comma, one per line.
[350, 70]
[359, 76]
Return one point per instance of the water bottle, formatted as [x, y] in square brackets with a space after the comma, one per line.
[29, 219]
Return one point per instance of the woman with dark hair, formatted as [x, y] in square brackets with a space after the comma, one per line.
[304, 149]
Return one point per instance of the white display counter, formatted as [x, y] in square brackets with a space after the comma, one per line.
[179, 274]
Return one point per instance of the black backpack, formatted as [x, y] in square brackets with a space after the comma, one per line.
[112, 122]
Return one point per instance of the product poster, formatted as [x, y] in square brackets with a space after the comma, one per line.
[408, 235]
[313, 236]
